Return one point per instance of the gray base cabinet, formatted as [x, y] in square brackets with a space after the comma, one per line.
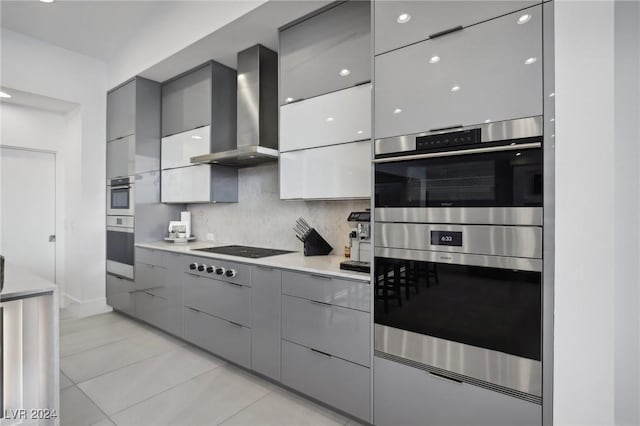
[229, 340]
[337, 382]
[120, 294]
[407, 396]
[222, 299]
[266, 321]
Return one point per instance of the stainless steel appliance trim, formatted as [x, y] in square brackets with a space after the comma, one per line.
[515, 147]
[126, 221]
[507, 373]
[499, 262]
[468, 215]
[132, 198]
[120, 229]
[120, 269]
[490, 132]
[511, 241]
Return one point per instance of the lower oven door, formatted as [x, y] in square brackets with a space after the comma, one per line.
[475, 317]
[120, 241]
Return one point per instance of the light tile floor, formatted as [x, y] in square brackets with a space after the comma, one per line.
[118, 371]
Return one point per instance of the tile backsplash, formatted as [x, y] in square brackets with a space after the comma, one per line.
[260, 218]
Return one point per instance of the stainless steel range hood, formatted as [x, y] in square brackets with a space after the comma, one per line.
[257, 107]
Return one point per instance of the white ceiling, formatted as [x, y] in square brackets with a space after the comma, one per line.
[18, 97]
[91, 27]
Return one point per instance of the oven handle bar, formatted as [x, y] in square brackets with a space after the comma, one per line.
[515, 147]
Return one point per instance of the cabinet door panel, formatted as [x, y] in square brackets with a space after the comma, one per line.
[120, 294]
[225, 300]
[187, 184]
[178, 149]
[491, 71]
[121, 157]
[315, 51]
[266, 320]
[121, 111]
[334, 118]
[346, 293]
[186, 101]
[399, 399]
[399, 23]
[332, 172]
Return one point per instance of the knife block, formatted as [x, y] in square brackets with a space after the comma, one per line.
[315, 245]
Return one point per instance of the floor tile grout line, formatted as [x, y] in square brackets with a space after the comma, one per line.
[245, 407]
[99, 346]
[167, 390]
[94, 402]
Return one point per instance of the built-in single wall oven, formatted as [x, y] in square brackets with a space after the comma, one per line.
[120, 243]
[120, 196]
[458, 253]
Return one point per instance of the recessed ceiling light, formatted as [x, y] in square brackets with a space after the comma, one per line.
[524, 19]
[455, 88]
[530, 61]
[196, 137]
[289, 100]
[329, 118]
[434, 59]
[487, 121]
[360, 132]
[403, 18]
[47, 1]
[397, 111]
[4, 95]
[345, 72]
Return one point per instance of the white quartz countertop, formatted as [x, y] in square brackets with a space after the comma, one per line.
[20, 283]
[297, 261]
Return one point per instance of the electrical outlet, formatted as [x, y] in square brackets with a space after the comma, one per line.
[210, 237]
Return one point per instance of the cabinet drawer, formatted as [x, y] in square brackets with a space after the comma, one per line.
[178, 149]
[159, 311]
[150, 256]
[338, 117]
[413, 95]
[338, 331]
[222, 299]
[120, 294]
[336, 291]
[242, 276]
[330, 172]
[334, 381]
[221, 337]
[408, 396]
[423, 18]
[150, 277]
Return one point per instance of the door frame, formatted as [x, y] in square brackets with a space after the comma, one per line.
[55, 198]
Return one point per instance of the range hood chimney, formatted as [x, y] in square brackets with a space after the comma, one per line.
[257, 107]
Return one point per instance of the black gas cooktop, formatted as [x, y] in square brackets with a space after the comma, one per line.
[244, 251]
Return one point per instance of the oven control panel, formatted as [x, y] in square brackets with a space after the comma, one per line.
[447, 140]
[446, 238]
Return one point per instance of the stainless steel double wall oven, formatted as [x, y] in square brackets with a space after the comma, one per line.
[120, 226]
[458, 253]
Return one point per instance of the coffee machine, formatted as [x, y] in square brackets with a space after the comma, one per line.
[359, 242]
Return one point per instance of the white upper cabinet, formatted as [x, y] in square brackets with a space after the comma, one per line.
[337, 117]
[330, 172]
[400, 23]
[178, 149]
[202, 183]
[327, 52]
[491, 71]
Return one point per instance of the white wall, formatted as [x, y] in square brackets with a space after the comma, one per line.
[43, 69]
[596, 356]
[173, 27]
[27, 127]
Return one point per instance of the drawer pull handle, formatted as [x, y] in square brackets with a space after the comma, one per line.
[439, 129]
[193, 309]
[264, 267]
[321, 353]
[320, 277]
[233, 284]
[315, 302]
[445, 378]
[445, 32]
[235, 324]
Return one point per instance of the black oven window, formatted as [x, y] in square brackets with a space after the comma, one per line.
[120, 198]
[499, 179]
[497, 309]
[120, 247]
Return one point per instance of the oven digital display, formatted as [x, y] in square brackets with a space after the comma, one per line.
[446, 238]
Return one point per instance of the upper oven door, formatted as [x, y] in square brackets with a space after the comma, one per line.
[120, 199]
[500, 178]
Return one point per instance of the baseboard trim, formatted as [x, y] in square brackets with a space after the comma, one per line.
[86, 308]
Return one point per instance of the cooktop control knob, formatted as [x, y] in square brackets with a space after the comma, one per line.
[193, 266]
[201, 268]
[211, 269]
[230, 273]
[220, 271]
